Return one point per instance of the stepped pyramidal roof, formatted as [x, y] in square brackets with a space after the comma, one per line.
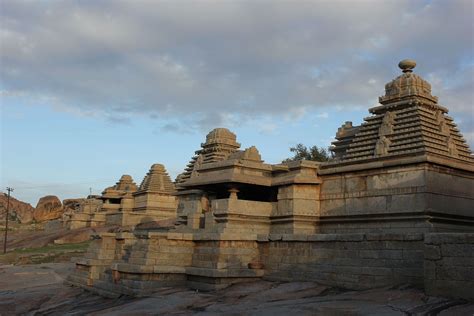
[220, 144]
[156, 180]
[408, 121]
[123, 186]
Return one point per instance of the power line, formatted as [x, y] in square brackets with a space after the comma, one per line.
[6, 221]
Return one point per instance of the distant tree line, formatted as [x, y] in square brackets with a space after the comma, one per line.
[314, 153]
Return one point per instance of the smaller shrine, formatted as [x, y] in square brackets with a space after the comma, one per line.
[127, 205]
[93, 211]
[153, 200]
[82, 213]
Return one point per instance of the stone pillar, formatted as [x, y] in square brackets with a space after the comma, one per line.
[233, 194]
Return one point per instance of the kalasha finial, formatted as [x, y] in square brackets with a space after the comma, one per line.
[407, 65]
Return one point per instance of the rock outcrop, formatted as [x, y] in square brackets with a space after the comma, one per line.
[48, 208]
[72, 205]
[20, 212]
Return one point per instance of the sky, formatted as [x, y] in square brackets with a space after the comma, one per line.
[91, 90]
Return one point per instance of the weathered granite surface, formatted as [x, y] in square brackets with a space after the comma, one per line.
[39, 290]
[361, 221]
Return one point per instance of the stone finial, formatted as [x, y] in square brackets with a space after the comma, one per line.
[407, 65]
[407, 86]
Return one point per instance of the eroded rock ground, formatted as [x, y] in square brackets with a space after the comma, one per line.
[39, 290]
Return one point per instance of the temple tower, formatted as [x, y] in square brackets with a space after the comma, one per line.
[154, 198]
[119, 196]
[406, 168]
[409, 121]
[220, 143]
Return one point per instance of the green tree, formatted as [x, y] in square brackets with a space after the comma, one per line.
[314, 153]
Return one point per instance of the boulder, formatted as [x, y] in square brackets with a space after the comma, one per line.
[72, 205]
[19, 211]
[48, 208]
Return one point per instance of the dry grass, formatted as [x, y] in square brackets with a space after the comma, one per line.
[48, 253]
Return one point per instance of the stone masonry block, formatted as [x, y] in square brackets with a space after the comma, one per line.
[429, 269]
[457, 250]
[455, 273]
[449, 238]
[415, 255]
[381, 254]
[432, 252]
[459, 261]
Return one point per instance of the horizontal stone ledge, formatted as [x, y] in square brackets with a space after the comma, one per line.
[179, 236]
[131, 268]
[225, 273]
[449, 238]
[92, 262]
[157, 235]
[313, 237]
[234, 236]
[341, 237]
[169, 269]
[394, 236]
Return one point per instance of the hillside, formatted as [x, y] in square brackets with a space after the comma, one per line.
[20, 212]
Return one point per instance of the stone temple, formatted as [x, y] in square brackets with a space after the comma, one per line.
[394, 207]
[125, 204]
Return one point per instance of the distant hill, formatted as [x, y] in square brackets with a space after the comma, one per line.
[20, 212]
[48, 208]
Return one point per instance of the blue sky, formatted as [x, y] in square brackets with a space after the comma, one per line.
[55, 152]
[93, 90]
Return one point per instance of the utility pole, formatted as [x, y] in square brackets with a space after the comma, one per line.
[6, 220]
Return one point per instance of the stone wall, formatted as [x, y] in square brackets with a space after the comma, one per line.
[449, 265]
[124, 263]
[217, 264]
[397, 199]
[352, 261]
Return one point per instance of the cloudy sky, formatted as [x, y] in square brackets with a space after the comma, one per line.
[90, 90]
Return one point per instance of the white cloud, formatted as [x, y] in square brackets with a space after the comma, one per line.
[296, 113]
[268, 128]
[204, 61]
